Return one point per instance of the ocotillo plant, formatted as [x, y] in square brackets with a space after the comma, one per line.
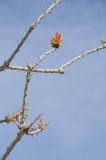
[21, 116]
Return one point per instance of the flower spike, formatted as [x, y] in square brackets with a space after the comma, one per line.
[56, 40]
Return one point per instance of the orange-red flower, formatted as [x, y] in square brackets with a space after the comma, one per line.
[56, 40]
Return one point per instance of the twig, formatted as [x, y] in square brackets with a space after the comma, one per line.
[37, 130]
[41, 58]
[41, 126]
[12, 145]
[35, 120]
[82, 55]
[31, 28]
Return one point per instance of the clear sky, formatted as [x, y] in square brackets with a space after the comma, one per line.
[74, 103]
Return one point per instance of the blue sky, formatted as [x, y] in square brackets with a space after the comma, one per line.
[74, 103]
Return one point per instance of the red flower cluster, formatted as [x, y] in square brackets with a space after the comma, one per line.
[56, 40]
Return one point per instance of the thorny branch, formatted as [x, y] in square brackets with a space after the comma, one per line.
[24, 128]
[41, 58]
[19, 118]
[82, 55]
[28, 129]
[24, 105]
[31, 28]
[38, 70]
[28, 78]
[63, 66]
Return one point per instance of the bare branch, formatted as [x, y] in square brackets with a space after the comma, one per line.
[82, 55]
[24, 105]
[41, 58]
[26, 129]
[62, 67]
[12, 145]
[31, 28]
[18, 68]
